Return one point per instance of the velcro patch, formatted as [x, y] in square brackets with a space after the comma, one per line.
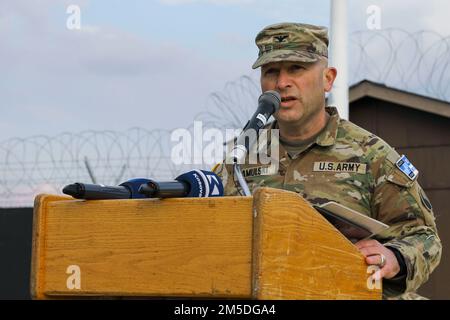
[407, 168]
[353, 167]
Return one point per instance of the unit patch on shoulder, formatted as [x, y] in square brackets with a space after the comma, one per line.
[425, 201]
[407, 168]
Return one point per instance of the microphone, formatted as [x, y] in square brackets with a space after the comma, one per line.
[192, 184]
[268, 104]
[127, 190]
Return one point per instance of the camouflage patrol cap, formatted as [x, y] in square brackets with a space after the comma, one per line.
[291, 42]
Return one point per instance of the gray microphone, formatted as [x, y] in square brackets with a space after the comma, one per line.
[268, 104]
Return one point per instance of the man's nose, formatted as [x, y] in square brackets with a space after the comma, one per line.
[284, 80]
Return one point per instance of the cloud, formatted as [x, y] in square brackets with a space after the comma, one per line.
[110, 52]
[98, 77]
[107, 76]
[234, 39]
[276, 11]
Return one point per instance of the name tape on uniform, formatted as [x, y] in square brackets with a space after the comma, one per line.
[259, 171]
[353, 167]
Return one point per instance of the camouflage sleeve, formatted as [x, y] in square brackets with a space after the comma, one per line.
[402, 204]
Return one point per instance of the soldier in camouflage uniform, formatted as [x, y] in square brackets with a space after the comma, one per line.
[324, 158]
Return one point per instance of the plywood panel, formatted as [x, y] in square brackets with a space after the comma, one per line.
[299, 255]
[149, 247]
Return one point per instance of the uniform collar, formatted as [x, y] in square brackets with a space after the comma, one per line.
[328, 135]
[326, 138]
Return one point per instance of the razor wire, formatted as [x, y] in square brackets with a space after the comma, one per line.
[43, 164]
[415, 62]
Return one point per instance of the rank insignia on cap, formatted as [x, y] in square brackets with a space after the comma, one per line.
[281, 38]
[407, 168]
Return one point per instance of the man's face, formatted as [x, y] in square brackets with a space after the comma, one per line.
[302, 87]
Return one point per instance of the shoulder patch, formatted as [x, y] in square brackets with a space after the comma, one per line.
[407, 168]
[425, 201]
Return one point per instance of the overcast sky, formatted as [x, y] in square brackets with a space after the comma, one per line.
[150, 64]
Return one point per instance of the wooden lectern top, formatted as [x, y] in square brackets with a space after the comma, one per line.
[273, 245]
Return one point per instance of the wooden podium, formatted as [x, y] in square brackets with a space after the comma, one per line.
[273, 245]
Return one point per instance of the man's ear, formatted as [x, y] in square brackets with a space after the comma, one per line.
[329, 75]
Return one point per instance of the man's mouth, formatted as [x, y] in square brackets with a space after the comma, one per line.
[287, 101]
[289, 98]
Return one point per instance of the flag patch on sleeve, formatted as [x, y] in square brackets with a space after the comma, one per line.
[407, 168]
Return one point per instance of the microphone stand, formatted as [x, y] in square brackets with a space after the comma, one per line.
[241, 180]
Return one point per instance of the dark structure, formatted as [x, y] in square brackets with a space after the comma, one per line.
[418, 127]
[15, 252]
